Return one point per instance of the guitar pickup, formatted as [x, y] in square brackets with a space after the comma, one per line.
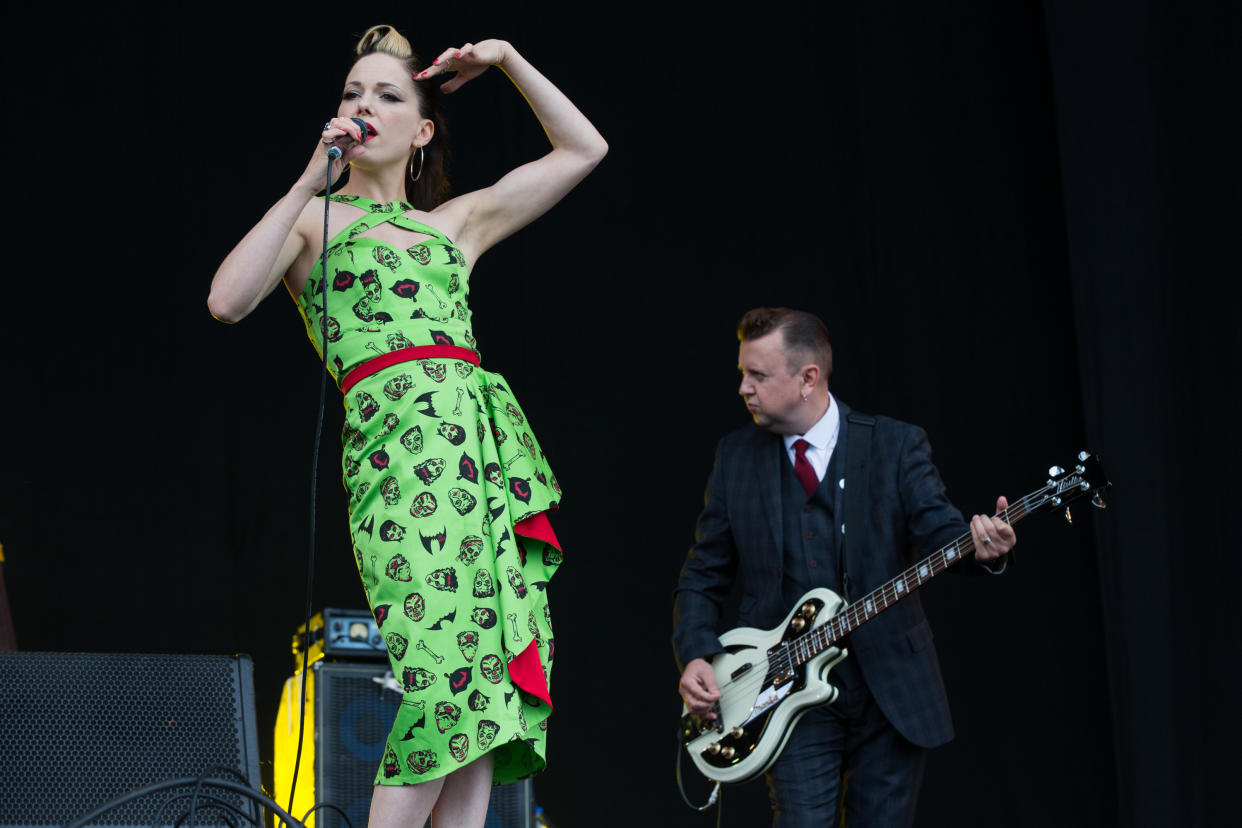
[741, 671]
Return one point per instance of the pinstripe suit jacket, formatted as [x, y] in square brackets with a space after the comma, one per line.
[739, 535]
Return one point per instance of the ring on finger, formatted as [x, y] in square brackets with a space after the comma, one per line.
[987, 540]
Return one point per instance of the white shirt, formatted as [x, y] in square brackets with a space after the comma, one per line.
[823, 439]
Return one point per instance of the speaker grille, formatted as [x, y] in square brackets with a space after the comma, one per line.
[354, 715]
[79, 729]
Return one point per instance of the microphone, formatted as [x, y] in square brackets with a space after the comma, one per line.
[335, 152]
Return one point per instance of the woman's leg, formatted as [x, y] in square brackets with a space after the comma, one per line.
[459, 800]
[463, 802]
[404, 806]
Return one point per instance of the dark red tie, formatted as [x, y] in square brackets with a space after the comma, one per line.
[802, 467]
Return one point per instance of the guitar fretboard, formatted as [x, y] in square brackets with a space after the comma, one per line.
[803, 649]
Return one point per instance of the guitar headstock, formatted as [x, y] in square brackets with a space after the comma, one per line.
[1085, 478]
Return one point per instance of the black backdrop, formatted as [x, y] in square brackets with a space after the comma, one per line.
[1015, 219]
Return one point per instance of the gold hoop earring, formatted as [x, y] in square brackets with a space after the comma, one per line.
[414, 177]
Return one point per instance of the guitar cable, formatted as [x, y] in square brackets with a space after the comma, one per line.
[716, 797]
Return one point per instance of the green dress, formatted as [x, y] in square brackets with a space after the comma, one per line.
[446, 481]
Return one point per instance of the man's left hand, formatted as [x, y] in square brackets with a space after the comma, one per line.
[993, 536]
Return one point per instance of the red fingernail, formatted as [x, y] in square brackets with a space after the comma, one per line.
[459, 54]
[437, 60]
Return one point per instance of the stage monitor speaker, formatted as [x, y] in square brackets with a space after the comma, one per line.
[80, 729]
[350, 709]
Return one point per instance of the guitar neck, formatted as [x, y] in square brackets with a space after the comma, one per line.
[883, 597]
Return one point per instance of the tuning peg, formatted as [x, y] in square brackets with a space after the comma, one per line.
[1056, 501]
[1068, 517]
[1082, 455]
[1055, 471]
[1098, 501]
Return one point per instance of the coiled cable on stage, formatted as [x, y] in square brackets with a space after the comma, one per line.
[259, 799]
[198, 792]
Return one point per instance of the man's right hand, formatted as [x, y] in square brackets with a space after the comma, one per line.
[698, 688]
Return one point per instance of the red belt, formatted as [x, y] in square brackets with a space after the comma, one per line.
[374, 366]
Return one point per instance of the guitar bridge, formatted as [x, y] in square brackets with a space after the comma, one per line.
[783, 678]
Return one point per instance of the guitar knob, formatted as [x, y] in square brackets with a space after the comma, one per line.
[808, 609]
[727, 753]
[737, 733]
[798, 623]
[713, 748]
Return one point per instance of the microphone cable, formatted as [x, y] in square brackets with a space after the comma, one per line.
[314, 489]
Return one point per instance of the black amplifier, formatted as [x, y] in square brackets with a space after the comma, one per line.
[341, 634]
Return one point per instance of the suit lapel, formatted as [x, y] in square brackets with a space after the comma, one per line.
[838, 456]
[768, 464]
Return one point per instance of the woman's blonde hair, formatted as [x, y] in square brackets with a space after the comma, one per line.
[386, 40]
[432, 185]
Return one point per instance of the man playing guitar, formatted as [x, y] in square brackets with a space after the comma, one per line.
[775, 518]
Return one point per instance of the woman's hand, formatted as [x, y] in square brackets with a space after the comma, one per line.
[486, 216]
[339, 132]
[467, 61]
[259, 261]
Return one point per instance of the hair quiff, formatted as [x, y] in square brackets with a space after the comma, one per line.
[432, 186]
[804, 335]
[385, 40]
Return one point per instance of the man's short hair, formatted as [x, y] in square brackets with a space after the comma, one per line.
[804, 335]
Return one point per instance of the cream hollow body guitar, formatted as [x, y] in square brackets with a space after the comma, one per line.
[769, 678]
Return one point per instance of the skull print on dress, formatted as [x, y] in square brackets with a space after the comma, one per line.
[396, 387]
[424, 505]
[483, 587]
[462, 501]
[390, 490]
[421, 761]
[412, 440]
[429, 470]
[459, 747]
[398, 568]
[468, 643]
[487, 731]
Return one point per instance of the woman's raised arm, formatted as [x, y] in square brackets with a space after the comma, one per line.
[486, 216]
[260, 260]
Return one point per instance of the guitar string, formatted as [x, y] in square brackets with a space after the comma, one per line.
[790, 653]
[888, 594]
